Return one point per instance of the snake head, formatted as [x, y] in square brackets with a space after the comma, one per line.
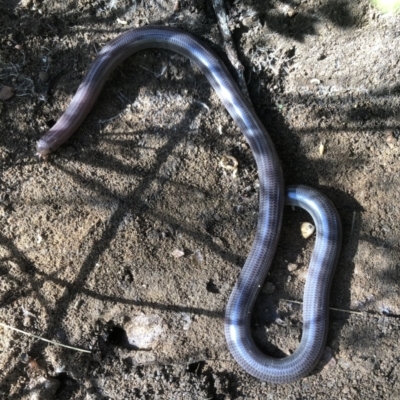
[42, 149]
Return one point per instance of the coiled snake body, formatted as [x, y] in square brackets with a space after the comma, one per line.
[271, 200]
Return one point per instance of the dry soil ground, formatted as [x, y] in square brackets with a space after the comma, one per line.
[86, 237]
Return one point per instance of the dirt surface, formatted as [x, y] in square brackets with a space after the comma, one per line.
[89, 239]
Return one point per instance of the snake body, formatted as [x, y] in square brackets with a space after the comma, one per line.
[271, 200]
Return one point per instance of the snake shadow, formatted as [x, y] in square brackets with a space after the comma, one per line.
[298, 19]
[292, 249]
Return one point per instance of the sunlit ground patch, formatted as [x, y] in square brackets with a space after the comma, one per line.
[387, 6]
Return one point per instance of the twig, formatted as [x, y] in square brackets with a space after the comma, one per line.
[104, 121]
[376, 315]
[45, 340]
[331, 308]
[157, 75]
[220, 12]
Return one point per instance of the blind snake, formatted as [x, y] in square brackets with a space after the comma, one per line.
[272, 196]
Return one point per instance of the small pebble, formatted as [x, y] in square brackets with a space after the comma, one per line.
[307, 229]
[39, 238]
[177, 253]
[229, 163]
[198, 257]
[248, 21]
[292, 267]
[26, 3]
[6, 93]
[187, 321]
[145, 331]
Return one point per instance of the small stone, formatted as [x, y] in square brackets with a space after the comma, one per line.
[44, 76]
[39, 238]
[198, 257]
[177, 253]
[229, 163]
[187, 321]
[248, 21]
[145, 331]
[307, 229]
[292, 267]
[6, 93]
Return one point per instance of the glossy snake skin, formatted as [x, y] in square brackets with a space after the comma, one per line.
[271, 200]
